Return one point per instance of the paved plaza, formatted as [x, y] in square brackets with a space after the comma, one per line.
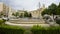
[27, 21]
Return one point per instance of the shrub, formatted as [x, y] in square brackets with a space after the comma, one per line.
[43, 30]
[37, 29]
[6, 29]
[2, 21]
[53, 30]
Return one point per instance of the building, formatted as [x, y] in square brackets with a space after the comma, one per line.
[1, 6]
[11, 11]
[6, 10]
[21, 12]
[3, 9]
[37, 13]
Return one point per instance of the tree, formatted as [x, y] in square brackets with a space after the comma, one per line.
[58, 13]
[58, 10]
[15, 14]
[26, 14]
[45, 11]
[50, 10]
[21, 16]
[53, 8]
[29, 15]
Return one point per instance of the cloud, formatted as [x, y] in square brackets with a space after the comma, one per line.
[1, 0]
[29, 4]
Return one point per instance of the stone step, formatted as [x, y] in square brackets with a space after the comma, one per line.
[29, 22]
[28, 25]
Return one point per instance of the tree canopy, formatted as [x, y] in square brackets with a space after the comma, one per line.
[52, 9]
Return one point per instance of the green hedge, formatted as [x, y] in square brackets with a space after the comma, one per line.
[6, 29]
[36, 29]
[42, 30]
[2, 21]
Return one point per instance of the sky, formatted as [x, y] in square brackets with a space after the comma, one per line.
[29, 4]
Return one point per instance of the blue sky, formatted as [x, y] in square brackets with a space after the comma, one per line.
[28, 4]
